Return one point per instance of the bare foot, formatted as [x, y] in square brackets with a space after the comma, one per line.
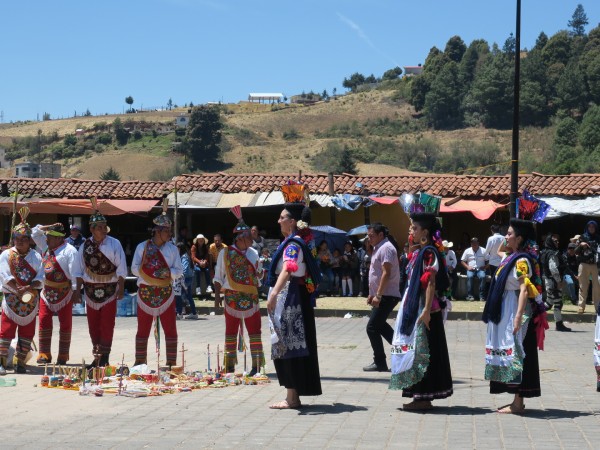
[511, 409]
[285, 405]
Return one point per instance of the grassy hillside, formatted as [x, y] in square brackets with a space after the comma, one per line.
[262, 138]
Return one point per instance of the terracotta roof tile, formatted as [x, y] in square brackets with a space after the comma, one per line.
[467, 186]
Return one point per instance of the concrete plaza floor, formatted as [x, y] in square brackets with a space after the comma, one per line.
[356, 409]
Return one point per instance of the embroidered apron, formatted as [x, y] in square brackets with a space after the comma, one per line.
[20, 312]
[156, 295]
[241, 300]
[101, 270]
[57, 290]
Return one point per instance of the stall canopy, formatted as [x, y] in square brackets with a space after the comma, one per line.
[559, 206]
[83, 206]
[481, 209]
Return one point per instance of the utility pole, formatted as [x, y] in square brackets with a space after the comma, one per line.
[514, 172]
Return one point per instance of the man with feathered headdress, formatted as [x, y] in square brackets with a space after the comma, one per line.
[101, 268]
[21, 276]
[156, 263]
[237, 278]
[59, 289]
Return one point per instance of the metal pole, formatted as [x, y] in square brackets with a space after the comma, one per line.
[514, 172]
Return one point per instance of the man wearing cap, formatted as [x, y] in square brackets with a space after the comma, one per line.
[237, 278]
[21, 276]
[58, 291]
[76, 238]
[156, 263]
[101, 268]
[473, 260]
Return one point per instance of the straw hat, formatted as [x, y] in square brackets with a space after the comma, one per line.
[448, 244]
[200, 236]
[575, 238]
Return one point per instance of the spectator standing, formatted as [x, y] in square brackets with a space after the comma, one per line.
[365, 264]
[473, 260]
[384, 292]
[451, 263]
[491, 250]
[336, 269]
[324, 261]
[213, 250]
[265, 261]
[258, 242]
[186, 284]
[404, 259]
[201, 261]
[76, 238]
[553, 267]
[570, 276]
[348, 266]
[587, 252]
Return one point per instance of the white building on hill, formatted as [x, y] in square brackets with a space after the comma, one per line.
[265, 97]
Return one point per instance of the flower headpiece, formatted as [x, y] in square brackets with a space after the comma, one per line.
[531, 208]
[163, 220]
[23, 228]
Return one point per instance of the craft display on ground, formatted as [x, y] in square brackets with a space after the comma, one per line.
[141, 381]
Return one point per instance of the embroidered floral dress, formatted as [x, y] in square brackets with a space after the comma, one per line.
[504, 352]
[420, 361]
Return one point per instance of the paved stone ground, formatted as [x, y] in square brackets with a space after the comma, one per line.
[355, 411]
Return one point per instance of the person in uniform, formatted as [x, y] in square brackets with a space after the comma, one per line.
[59, 283]
[156, 263]
[237, 277]
[101, 269]
[21, 276]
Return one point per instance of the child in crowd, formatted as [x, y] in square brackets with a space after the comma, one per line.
[336, 270]
[265, 260]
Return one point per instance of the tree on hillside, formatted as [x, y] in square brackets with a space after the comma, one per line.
[557, 49]
[578, 21]
[418, 91]
[355, 80]
[533, 105]
[347, 163]
[565, 134]
[121, 134]
[170, 104]
[129, 101]
[571, 90]
[391, 74]
[510, 45]
[491, 97]
[203, 136]
[592, 73]
[471, 62]
[455, 48]
[589, 131]
[442, 102]
[541, 41]
[110, 174]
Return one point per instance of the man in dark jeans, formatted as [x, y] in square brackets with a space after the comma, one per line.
[384, 292]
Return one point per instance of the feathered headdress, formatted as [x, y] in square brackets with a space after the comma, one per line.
[97, 217]
[241, 226]
[295, 192]
[23, 228]
[531, 208]
[163, 220]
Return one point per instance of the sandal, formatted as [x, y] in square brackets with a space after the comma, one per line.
[510, 409]
[285, 405]
[417, 405]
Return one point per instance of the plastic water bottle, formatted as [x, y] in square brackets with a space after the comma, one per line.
[127, 302]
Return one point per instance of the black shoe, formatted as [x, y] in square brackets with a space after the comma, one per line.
[20, 368]
[93, 364]
[560, 326]
[375, 368]
[43, 360]
[103, 361]
[253, 372]
[598, 386]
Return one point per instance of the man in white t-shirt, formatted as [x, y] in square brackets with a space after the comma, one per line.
[473, 260]
[491, 249]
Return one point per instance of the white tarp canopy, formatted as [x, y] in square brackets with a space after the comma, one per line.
[560, 206]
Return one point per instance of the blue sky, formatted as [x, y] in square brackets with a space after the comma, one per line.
[67, 56]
